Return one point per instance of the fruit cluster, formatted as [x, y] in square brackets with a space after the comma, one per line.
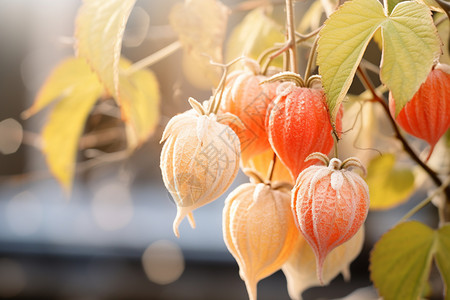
[275, 128]
[295, 215]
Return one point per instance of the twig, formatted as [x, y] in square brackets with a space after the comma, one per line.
[424, 202]
[304, 37]
[154, 58]
[291, 35]
[311, 59]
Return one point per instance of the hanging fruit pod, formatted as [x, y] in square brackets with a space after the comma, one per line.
[259, 231]
[330, 203]
[298, 124]
[427, 114]
[300, 269]
[246, 98]
[199, 160]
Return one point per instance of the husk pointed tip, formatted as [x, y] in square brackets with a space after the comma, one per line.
[251, 286]
[319, 267]
[176, 223]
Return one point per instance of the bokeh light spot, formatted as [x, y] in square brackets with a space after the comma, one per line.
[112, 206]
[11, 134]
[163, 262]
[24, 214]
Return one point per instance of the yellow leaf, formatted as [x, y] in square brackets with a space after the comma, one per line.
[140, 101]
[410, 47]
[341, 46]
[253, 35]
[99, 31]
[388, 186]
[77, 89]
[65, 77]
[201, 27]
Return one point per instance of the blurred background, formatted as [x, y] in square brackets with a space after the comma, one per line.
[112, 238]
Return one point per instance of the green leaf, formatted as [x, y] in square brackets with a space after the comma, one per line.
[392, 3]
[140, 97]
[410, 47]
[201, 26]
[253, 35]
[443, 256]
[75, 88]
[401, 260]
[388, 186]
[99, 31]
[341, 45]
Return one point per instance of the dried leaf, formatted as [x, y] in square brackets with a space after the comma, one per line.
[201, 27]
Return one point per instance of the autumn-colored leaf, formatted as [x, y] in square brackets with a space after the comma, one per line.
[140, 96]
[410, 47]
[401, 260]
[443, 256]
[253, 35]
[75, 88]
[100, 26]
[388, 186]
[201, 27]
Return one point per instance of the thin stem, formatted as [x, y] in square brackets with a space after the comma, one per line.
[424, 202]
[275, 51]
[434, 177]
[311, 59]
[440, 20]
[290, 24]
[154, 58]
[335, 144]
[304, 37]
[221, 87]
[271, 167]
[215, 102]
